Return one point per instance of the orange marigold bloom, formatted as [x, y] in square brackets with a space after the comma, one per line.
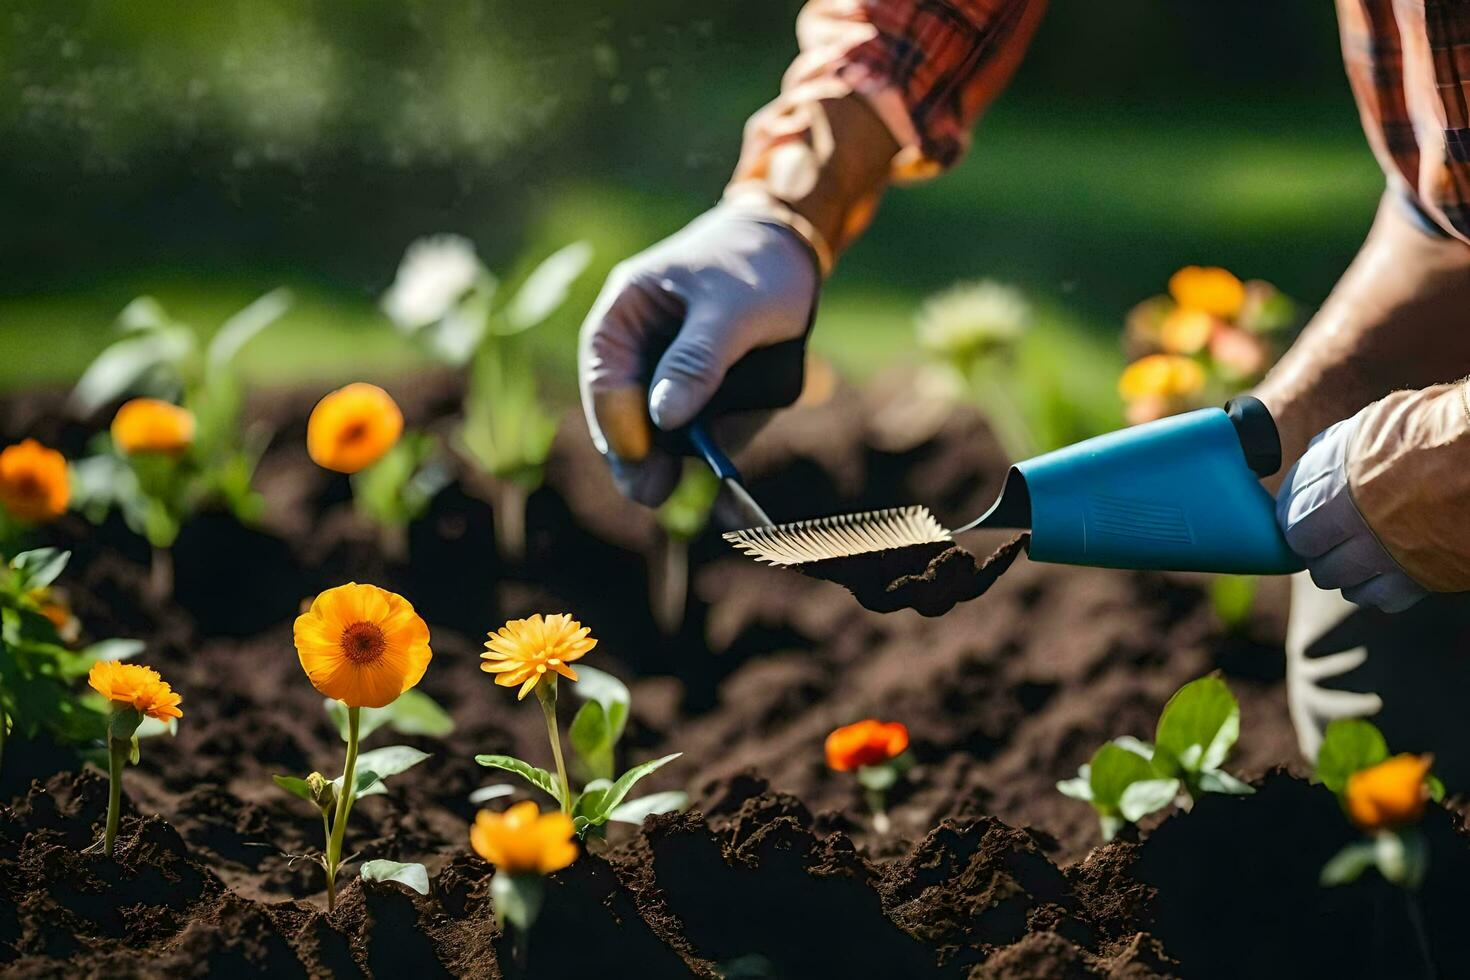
[1162, 376]
[362, 645]
[1390, 794]
[1186, 331]
[523, 840]
[33, 482]
[148, 425]
[866, 743]
[135, 686]
[523, 650]
[1208, 289]
[353, 427]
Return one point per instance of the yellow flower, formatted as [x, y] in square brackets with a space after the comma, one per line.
[353, 427]
[1390, 794]
[136, 687]
[1209, 290]
[33, 482]
[1161, 375]
[362, 645]
[523, 650]
[1186, 331]
[523, 840]
[148, 425]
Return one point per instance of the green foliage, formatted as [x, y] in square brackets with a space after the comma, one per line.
[414, 875]
[1232, 597]
[398, 488]
[160, 357]
[596, 729]
[687, 510]
[412, 713]
[1127, 778]
[1348, 745]
[517, 899]
[376, 766]
[38, 671]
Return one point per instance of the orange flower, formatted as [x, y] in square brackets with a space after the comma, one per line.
[523, 840]
[523, 650]
[866, 743]
[148, 425]
[1169, 376]
[362, 645]
[1390, 794]
[1208, 289]
[33, 482]
[137, 687]
[1186, 331]
[353, 427]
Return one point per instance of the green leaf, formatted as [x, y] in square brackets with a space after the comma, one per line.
[1436, 787]
[539, 778]
[1348, 744]
[685, 513]
[39, 568]
[294, 786]
[626, 781]
[494, 792]
[241, 328]
[413, 713]
[115, 649]
[591, 738]
[588, 803]
[125, 364]
[636, 811]
[1402, 857]
[1199, 725]
[1232, 597]
[415, 876]
[1110, 824]
[1220, 781]
[1112, 770]
[1145, 796]
[1078, 787]
[614, 696]
[547, 286]
[877, 778]
[1348, 864]
[517, 899]
[391, 760]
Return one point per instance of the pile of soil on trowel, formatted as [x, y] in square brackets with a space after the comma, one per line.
[927, 578]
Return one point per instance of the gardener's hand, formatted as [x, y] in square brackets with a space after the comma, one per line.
[733, 280]
[1379, 505]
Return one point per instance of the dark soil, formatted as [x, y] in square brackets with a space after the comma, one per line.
[927, 578]
[776, 871]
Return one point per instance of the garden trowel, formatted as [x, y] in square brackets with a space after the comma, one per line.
[1177, 494]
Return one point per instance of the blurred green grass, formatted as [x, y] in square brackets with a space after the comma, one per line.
[1087, 212]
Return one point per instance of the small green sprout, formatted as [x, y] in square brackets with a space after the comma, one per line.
[1127, 779]
[681, 517]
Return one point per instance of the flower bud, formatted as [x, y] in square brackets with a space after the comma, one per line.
[323, 793]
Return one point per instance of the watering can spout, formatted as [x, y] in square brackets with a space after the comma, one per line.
[1178, 494]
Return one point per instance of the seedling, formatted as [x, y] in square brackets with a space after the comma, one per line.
[358, 430]
[364, 647]
[38, 670]
[1210, 338]
[681, 517]
[533, 653]
[1383, 796]
[133, 693]
[182, 447]
[876, 752]
[445, 298]
[1127, 779]
[524, 844]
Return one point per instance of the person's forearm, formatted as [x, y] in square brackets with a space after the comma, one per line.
[1398, 318]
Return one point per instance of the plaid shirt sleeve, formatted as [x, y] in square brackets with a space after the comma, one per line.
[928, 68]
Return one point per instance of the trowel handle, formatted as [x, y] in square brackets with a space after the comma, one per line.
[765, 379]
[1256, 429]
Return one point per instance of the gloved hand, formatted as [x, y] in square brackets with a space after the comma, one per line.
[733, 280]
[1378, 505]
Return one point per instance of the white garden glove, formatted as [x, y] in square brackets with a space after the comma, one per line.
[731, 282]
[1323, 525]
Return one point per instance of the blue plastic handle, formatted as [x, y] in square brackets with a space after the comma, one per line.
[1172, 495]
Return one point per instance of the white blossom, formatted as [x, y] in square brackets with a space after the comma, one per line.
[434, 274]
[970, 319]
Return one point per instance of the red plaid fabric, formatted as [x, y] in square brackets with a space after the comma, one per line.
[1409, 65]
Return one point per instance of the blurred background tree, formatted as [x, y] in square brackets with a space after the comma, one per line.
[205, 152]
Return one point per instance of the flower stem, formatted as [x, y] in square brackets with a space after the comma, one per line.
[344, 807]
[1421, 935]
[546, 694]
[4, 730]
[881, 823]
[117, 753]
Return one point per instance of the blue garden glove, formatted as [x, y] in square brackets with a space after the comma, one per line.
[732, 281]
[1322, 524]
